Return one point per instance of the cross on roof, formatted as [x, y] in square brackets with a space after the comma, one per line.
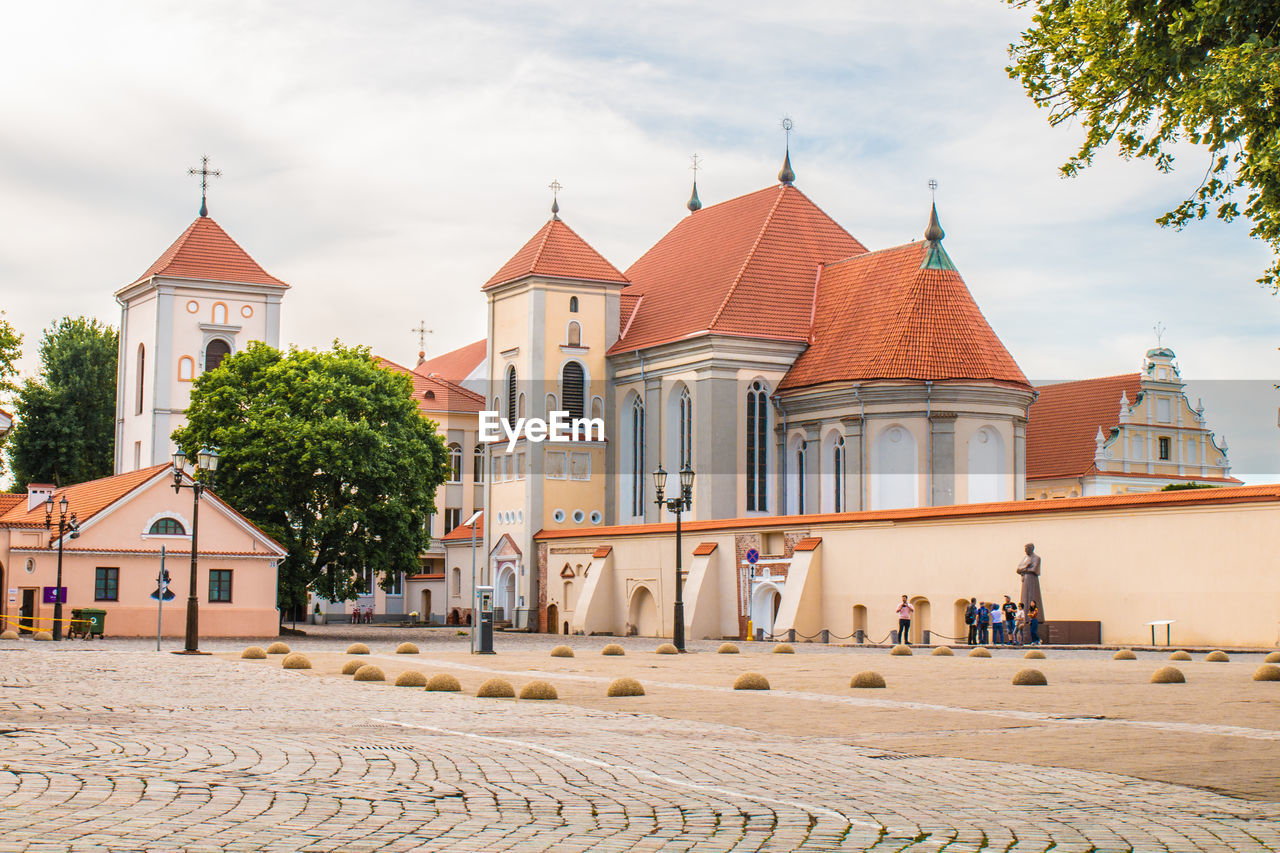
[696, 164]
[422, 332]
[1159, 329]
[205, 173]
[933, 189]
[555, 188]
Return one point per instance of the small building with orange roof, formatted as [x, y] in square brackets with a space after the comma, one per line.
[113, 562]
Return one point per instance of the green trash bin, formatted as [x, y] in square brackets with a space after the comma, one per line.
[97, 620]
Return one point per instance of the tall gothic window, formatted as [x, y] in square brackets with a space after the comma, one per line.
[215, 352]
[573, 337]
[455, 463]
[837, 467]
[686, 429]
[800, 478]
[511, 396]
[573, 389]
[477, 464]
[637, 458]
[573, 304]
[142, 374]
[757, 447]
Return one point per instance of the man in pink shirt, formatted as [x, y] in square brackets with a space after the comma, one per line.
[904, 620]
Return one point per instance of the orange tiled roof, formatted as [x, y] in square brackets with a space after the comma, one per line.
[205, 251]
[1063, 422]
[884, 315]
[602, 552]
[84, 499]
[704, 548]
[809, 543]
[1186, 497]
[462, 531]
[9, 500]
[434, 394]
[457, 365]
[742, 267]
[558, 252]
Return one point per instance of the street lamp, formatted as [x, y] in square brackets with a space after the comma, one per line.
[677, 505]
[206, 466]
[65, 526]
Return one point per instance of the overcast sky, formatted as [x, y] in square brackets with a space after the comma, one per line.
[384, 158]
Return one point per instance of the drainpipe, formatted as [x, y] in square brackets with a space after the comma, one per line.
[863, 479]
[928, 444]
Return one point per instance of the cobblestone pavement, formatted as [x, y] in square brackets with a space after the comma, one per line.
[119, 748]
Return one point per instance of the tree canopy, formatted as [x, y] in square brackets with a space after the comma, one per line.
[327, 453]
[1147, 76]
[10, 352]
[65, 416]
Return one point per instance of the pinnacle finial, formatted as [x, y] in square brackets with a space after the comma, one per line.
[787, 176]
[934, 232]
[695, 203]
[205, 174]
[555, 188]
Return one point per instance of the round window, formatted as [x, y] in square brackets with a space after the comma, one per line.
[578, 516]
[193, 307]
[557, 516]
[520, 516]
[596, 517]
[246, 311]
[31, 565]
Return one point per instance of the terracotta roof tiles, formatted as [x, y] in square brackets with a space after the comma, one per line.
[434, 394]
[557, 251]
[456, 365]
[463, 531]
[205, 251]
[84, 499]
[1063, 422]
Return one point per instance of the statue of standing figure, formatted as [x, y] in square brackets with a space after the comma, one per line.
[1029, 571]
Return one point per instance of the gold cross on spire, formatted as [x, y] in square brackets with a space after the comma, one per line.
[555, 188]
[205, 174]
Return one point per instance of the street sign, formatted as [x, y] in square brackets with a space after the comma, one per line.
[55, 595]
[753, 556]
[162, 588]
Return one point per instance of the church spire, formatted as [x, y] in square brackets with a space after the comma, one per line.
[695, 203]
[555, 188]
[935, 257]
[787, 176]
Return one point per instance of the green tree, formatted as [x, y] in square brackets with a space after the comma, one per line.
[1179, 487]
[326, 452]
[1147, 76]
[65, 430]
[10, 352]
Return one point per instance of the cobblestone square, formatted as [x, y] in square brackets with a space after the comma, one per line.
[111, 746]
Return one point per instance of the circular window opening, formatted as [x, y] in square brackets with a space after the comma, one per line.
[557, 516]
[31, 565]
[246, 311]
[193, 307]
[520, 516]
[578, 516]
[596, 517]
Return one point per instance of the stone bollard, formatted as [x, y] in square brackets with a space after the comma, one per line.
[824, 637]
[926, 634]
[759, 635]
[791, 635]
[859, 636]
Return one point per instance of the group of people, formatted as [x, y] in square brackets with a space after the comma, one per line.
[1008, 623]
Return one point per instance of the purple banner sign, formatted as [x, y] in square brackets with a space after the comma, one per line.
[55, 594]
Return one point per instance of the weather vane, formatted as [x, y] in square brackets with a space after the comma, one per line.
[422, 332]
[555, 188]
[787, 124]
[205, 174]
[1159, 329]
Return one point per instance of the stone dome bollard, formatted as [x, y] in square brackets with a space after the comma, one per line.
[868, 679]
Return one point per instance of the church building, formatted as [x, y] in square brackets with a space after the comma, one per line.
[758, 343]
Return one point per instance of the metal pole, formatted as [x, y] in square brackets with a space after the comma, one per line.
[160, 588]
[473, 586]
[677, 631]
[57, 589]
[193, 604]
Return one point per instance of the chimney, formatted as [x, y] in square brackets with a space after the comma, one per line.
[38, 493]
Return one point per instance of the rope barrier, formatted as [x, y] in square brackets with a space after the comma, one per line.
[33, 619]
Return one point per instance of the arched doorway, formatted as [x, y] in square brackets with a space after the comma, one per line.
[553, 619]
[764, 607]
[505, 593]
[920, 619]
[425, 614]
[859, 622]
[958, 628]
[642, 615]
[454, 617]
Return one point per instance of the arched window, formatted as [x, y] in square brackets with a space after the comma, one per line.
[167, 527]
[757, 447]
[573, 337]
[215, 352]
[686, 429]
[573, 389]
[597, 408]
[186, 368]
[800, 455]
[477, 464]
[573, 305]
[455, 463]
[637, 457]
[551, 404]
[220, 313]
[837, 469]
[457, 581]
[511, 396]
[142, 374]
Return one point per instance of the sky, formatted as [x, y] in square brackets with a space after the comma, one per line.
[385, 158]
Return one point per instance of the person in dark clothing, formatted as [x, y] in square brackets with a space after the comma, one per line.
[1010, 619]
[984, 624]
[1033, 622]
[971, 619]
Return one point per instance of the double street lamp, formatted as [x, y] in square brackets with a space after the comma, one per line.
[678, 504]
[65, 526]
[206, 466]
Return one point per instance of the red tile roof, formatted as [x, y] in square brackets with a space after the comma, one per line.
[704, 548]
[457, 365]
[556, 251]
[84, 499]
[9, 500]
[1063, 422]
[743, 267]
[462, 531]
[602, 552]
[434, 394]
[1186, 497]
[205, 251]
[883, 315]
[809, 543]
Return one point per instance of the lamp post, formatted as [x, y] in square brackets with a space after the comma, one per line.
[678, 505]
[206, 465]
[64, 527]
